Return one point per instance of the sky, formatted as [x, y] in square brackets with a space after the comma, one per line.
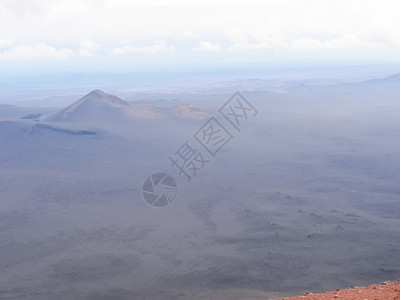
[121, 35]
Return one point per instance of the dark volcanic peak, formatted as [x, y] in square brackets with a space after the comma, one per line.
[95, 105]
[98, 107]
[100, 95]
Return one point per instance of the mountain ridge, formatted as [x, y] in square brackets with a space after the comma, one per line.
[96, 104]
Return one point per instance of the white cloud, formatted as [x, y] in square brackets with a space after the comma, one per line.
[35, 52]
[24, 8]
[5, 43]
[187, 34]
[250, 46]
[347, 41]
[207, 46]
[89, 48]
[157, 47]
[109, 27]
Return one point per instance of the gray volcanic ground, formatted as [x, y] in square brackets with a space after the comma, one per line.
[304, 198]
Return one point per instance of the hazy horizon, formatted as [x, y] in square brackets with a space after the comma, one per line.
[198, 150]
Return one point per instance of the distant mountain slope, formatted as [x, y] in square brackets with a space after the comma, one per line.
[191, 112]
[16, 129]
[40, 126]
[95, 106]
[395, 78]
[18, 112]
[184, 111]
[383, 86]
[99, 107]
